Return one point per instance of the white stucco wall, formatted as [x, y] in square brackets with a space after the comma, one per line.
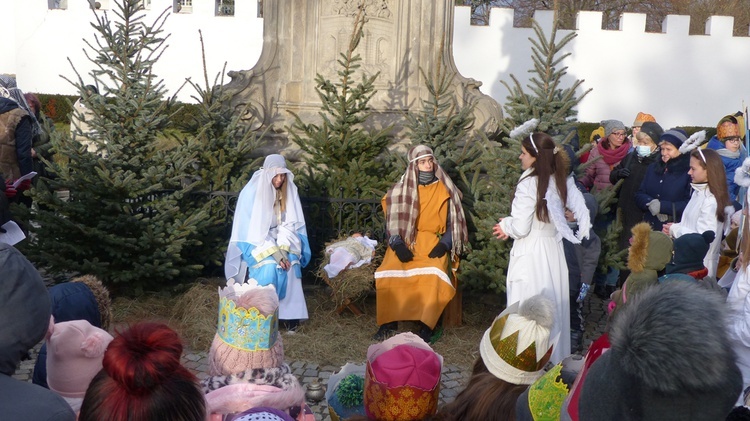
[679, 78]
[47, 38]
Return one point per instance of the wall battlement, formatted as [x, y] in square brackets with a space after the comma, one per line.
[682, 79]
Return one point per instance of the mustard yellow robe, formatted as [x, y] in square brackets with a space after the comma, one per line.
[421, 288]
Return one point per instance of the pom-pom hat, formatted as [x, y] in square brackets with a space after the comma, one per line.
[517, 346]
[75, 350]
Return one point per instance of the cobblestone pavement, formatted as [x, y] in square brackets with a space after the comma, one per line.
[452, 381]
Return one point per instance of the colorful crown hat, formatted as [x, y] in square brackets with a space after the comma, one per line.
[341, 409]
[247, 335]
[728, 127]
[402, 379]
[517, 346]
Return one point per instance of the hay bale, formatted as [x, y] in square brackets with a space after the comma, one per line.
[351, 285]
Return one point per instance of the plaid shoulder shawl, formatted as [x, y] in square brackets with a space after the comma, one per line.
[402, 204]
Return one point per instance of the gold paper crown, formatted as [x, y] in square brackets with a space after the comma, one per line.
[507, 349]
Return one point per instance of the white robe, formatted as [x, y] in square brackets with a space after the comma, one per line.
[537, 262]
[700, 216]
[738, 306]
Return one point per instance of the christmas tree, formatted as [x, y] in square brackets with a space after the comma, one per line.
[115, 208]
[341, 153]
[553, 104]
[224, 147]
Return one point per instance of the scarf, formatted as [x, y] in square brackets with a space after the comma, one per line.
[402, 204]
[613, 156]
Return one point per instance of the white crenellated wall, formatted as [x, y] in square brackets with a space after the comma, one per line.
[45, 38]
[679, 78]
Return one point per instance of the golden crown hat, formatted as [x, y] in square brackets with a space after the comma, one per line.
[516, 349]
[402, 403]
[247, 329]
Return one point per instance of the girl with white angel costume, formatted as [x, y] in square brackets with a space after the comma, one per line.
[269, 237]
[537, 225]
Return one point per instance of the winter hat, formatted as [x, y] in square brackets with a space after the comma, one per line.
[345, 393]
[247, 336]
[653, 130]
[674, 136]
[24, 308]
[75, 350]
[261, 414]
[101, 294]
[643, 118]
[517, 346]
[611, 126]
[728, 127]
[671, 359]
[689, 252]
[402, 379]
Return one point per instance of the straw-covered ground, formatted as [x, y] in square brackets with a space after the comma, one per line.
[327, 338]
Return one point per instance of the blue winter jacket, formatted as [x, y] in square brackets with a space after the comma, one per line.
[730, 165]
[670, 183]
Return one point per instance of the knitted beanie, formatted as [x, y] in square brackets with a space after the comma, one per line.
[611, 126]
[689, 252]
[75, 350]
[653, 130]
[674, 136]
[642, 118]
[518, 345]
[248, 330]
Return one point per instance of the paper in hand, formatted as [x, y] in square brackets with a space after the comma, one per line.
[12, 235]
[28, 176]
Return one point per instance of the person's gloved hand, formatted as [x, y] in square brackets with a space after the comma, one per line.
[622, 173]
[25, 185]
[403, 252]
[10, 191]
[438, 251]
[662, 217]
[654, 207]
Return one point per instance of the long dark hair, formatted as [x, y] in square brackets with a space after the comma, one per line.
[486, 398]
[551, 161]
[717, 178]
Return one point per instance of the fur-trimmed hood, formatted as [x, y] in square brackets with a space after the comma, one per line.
[649, 249]
[671, 359]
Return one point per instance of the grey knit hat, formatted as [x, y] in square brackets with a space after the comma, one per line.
[611, 126]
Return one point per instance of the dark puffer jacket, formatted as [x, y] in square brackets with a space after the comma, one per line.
[670, 183]
[637, 166]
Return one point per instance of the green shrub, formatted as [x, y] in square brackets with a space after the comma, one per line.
[57, 107]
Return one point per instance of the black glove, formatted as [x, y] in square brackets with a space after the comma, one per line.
[438, 251]
[623, 173]
[403, 252]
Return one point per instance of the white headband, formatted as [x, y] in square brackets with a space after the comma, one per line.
[420, 157]
[702, 156]
[531, 137]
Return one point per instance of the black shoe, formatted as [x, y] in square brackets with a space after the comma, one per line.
[425, 333]
[385, 331]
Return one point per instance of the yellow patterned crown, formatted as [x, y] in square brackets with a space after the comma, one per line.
[547, 395]
[517, 346]
[247, 328]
